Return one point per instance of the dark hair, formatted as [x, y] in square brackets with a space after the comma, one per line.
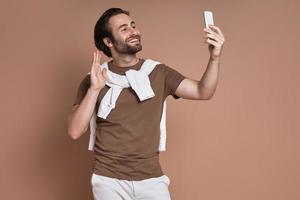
[102, 29]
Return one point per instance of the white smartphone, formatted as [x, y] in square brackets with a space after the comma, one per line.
[208, 18]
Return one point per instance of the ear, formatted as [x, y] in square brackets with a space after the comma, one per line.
[107, 42]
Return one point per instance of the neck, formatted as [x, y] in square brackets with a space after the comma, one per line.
[125, 60]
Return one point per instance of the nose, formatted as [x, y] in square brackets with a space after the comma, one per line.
[134, 31]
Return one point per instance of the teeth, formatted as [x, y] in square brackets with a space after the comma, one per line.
[133, 40]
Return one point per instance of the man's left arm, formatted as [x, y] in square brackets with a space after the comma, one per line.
[205, 88]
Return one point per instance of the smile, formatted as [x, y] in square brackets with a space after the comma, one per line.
[134, 41]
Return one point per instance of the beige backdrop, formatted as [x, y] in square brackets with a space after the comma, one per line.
[242, 144]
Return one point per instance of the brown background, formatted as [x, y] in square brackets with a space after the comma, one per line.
[242, 144]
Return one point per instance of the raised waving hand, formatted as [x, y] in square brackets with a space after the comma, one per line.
[98, 75]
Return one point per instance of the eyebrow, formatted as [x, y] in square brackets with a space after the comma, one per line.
[132, 22]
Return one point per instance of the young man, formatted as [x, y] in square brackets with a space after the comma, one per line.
[128, 135]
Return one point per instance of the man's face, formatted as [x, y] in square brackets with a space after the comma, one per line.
[126, 36]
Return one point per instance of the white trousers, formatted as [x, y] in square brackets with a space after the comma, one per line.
[106, 188]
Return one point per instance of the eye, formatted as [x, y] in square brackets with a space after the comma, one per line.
[124, 29]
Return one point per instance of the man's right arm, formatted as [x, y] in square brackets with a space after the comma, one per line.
[81, 114]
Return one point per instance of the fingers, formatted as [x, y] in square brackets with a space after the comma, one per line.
[214, 36]
[94, 58]
[98, 57]
[93, 69]
[214, 33]
[101, 72]
[96, 62]
[212, 42]
[217, 41]
[104, 73]
[217, 29]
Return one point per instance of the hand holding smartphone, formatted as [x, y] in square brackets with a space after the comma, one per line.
[213, 36]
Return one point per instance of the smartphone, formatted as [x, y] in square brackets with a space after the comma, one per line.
[208, 18]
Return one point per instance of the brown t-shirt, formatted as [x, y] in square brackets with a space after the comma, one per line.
[127, 140]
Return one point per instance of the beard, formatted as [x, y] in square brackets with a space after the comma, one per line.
[127, 47]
